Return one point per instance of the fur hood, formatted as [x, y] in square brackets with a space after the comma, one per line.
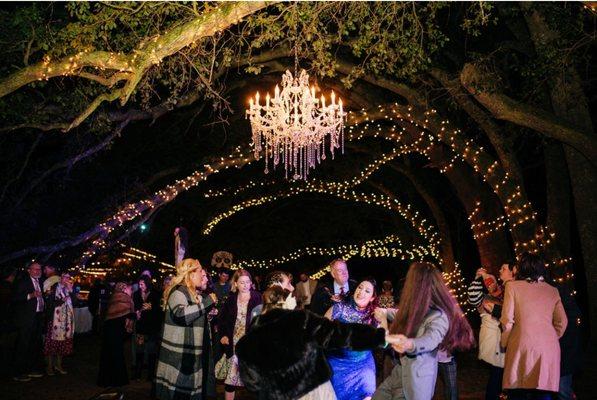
[282, 356]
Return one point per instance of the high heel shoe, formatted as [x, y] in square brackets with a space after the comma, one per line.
[60, 370]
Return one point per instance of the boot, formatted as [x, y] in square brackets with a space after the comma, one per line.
[138, 367]
[49, 368]
[151, 366]
[59, 365]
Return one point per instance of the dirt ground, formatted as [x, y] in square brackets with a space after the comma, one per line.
[82, 367]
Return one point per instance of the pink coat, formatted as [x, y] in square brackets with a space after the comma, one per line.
[533, 319]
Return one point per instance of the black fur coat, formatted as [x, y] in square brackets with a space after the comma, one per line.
[282, 355]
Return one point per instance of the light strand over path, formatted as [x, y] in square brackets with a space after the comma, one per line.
[421, 225]
[389, 246]
[432, 130]
[132, 211]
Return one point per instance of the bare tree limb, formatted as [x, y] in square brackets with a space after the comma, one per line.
[412, 96]
[493, 131]
[25, 163]
[505, 108]
[72, 161]
[136, 64]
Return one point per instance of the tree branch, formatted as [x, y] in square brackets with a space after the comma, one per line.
[505, 108]
[493, 131]
[412, 96]
[133, 65]
[66, 66]
[16, 178]
[72, 161]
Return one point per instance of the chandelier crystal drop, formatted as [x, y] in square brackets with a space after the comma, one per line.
[293, 126]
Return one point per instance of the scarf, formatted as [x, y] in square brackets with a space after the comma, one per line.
[119, 305]
[63, 319]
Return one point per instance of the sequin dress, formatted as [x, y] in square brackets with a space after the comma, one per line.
[353, 375]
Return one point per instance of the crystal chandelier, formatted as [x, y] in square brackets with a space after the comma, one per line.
[294, 124]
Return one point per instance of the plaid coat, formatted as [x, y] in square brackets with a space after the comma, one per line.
[185, 362]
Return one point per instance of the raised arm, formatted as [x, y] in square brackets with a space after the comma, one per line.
[184, 313]
[336, 335]
[507, 318]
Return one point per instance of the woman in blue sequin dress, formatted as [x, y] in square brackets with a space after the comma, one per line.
[354, 371]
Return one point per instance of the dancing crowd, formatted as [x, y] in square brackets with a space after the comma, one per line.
[329, 339]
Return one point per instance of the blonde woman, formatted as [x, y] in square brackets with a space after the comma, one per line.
[184, 369]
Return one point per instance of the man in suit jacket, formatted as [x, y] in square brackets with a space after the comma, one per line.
[335, 290]
[28, 311]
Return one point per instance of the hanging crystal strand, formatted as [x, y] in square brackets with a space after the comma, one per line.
[305, 157]
[297, 165]
[292, 149]
[287, 156]
[300, 162]
[305, 165]
[265, 155]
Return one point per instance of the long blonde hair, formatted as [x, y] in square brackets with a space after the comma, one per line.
[183, 276]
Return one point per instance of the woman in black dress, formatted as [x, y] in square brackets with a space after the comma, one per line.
[147, 329]
[118, 324]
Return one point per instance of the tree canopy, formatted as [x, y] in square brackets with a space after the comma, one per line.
[104, 104]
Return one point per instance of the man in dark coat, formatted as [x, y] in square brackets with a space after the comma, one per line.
[334, 290]
[8, 333]
[28, 311]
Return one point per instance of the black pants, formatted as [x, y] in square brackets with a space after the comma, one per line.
[494, 384]
[448, 375]
[28, 354]
[8, 340]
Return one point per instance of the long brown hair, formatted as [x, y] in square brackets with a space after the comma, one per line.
[424, 288]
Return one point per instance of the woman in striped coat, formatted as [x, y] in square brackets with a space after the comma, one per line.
[185, 367]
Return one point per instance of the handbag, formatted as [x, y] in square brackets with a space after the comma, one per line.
[221, 367]
[139, 340]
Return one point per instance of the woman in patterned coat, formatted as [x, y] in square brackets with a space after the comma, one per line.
[61, 324]
[184, 369]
